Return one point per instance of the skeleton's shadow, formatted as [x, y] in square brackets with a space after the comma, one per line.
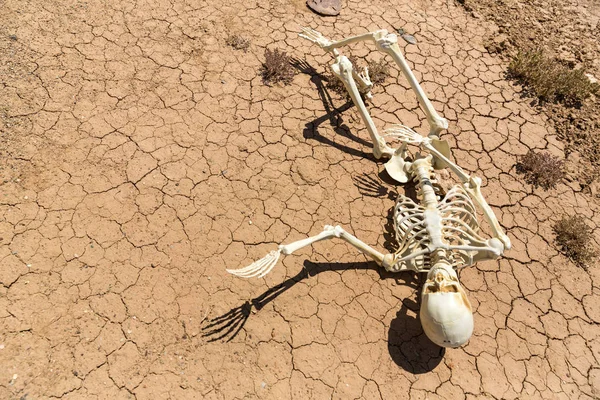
[406, 337]
[227, 326]
[369, 186]
[385, 186]
[408, 345]
[332, 114]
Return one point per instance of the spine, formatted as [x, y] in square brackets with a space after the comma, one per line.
[423, 171]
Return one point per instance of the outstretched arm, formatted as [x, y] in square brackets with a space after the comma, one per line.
[388, 43]
[329, 46]
[263, 266]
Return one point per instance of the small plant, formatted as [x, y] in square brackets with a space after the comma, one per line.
[277, 67]
[238, 42]
[378, 71]
[574, 236]
[541, 169]
[550, 80]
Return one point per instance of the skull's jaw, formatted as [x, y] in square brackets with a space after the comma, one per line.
[446, 314]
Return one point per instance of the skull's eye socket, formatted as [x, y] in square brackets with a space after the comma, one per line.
[433, 288]
[430, 289]
[449, 289]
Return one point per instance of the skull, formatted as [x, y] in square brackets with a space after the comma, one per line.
[446, 314]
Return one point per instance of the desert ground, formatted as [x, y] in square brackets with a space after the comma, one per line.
[141, 156]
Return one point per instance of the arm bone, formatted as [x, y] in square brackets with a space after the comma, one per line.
[389, 45]
[474, 189]
[263, 266]
[343, 69]
[472, 185]
[338, 232]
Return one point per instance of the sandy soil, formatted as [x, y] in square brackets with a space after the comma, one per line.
[141, 156]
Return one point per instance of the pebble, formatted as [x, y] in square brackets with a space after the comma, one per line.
[409, 38]
[406, 36]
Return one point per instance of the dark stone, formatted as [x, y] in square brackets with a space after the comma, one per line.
[325, 7]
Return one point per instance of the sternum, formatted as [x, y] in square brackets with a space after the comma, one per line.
[433, 219]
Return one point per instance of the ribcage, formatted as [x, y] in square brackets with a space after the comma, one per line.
[459, 225]
[459, 228]
[411, 231]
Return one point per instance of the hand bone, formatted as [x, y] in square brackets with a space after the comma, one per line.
[316, 37]
[365, 76]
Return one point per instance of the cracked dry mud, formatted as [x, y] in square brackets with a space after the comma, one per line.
[141, 156]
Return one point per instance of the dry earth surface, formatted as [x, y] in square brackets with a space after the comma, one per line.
[566, 31]
[141, 156]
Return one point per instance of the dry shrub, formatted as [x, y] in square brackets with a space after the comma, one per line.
[277, 67]
[238, 42]
[336, 85]
[550, 80]
[378, 71]
[541, 169]
[574, 238]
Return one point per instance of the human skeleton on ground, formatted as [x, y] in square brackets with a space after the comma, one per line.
[436, 236]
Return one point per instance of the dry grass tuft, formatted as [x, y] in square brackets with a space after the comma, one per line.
[574, 238]
[378, 71]
[550, 80]
[541, 169]
[238, 42]
[277, 67]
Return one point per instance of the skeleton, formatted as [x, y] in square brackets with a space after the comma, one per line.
[436, 236]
